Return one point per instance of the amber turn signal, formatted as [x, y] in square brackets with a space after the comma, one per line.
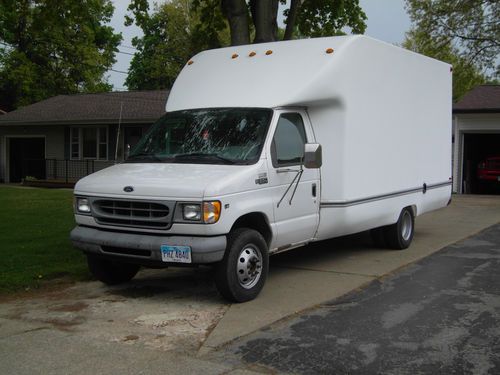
[211, 212]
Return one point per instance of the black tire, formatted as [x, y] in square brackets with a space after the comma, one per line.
[399, 235]
[378, 237]
[111, 272]
[242, 250]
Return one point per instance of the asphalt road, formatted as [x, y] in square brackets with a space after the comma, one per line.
[440, 315]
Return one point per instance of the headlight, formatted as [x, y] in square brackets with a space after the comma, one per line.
[82, 205]
[211, 212]
[191, 212]
[204, 212]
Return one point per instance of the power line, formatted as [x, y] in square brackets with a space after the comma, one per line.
[126, 53]
[124, 46]
[118, 71]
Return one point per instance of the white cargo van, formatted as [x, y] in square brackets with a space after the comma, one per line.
[268, 147]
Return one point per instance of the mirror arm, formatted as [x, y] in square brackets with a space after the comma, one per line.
[296, 186]
[297, 177]
[289, 186]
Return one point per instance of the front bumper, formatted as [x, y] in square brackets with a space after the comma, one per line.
[145, 248]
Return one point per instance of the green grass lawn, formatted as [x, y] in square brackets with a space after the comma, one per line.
[34, 238]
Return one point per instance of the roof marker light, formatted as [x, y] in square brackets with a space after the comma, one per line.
[235, 55]
[329, 50]
[268, 52]
[252, 54]
[190, 62]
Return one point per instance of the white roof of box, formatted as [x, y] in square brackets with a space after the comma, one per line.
[278, 74]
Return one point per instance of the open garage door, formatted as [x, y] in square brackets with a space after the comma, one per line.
[26, 158]
[481, 164]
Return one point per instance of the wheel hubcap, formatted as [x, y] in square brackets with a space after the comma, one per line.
[249, 268]
[406, 226]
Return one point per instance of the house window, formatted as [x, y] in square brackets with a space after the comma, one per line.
[89, 143]
[75, 143]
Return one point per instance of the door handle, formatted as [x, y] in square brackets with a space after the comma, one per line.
[314, 190]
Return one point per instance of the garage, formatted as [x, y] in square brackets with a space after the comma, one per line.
[476, 148]
[26, 158]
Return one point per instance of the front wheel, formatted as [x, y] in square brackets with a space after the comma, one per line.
[240, 276]
[399, 235]
[111, 272]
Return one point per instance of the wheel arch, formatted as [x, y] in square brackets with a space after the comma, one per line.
[257, 221]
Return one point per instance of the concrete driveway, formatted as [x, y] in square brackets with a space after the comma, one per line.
[170, 319]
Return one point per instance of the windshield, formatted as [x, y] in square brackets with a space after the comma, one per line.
[214, 136]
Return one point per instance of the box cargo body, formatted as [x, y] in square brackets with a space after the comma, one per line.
[374, 124]
[382, 115]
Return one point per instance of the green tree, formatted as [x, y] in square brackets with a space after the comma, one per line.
[172, 33]
[465, 74]
[51, 47]
[307, 18]
[176, 30]
[470, 27]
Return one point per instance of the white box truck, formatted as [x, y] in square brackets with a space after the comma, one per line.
[268, 147]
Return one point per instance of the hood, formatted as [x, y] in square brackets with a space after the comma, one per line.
[174, 180]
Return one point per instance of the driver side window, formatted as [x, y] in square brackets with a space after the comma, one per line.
[288, 142]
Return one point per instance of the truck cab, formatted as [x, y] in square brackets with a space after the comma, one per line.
[220, 186]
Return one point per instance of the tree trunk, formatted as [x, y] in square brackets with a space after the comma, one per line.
[292, 17]
[264, 14]
[21, 37]
[236, 12]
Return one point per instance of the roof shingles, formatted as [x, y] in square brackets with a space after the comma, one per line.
[102, 107]
[481, 99]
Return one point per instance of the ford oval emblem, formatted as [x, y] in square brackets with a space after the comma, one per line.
[128, 189]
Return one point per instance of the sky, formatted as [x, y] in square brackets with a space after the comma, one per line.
[387, 21]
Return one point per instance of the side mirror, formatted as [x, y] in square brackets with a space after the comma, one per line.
[312, 155]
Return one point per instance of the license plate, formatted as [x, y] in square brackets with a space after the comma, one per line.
[176, 254]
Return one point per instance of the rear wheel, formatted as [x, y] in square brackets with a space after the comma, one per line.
[240, 276]
[111, 272]
[399, 235]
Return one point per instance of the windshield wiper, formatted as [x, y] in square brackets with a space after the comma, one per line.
[197, 155]
[144, 156]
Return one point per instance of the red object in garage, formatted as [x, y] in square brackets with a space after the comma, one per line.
[489, 169]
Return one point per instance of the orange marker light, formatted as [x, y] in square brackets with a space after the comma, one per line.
[211, 212]
[190, 62]
[252, 54]
[268, 52]
[329, 50]
[235, 55]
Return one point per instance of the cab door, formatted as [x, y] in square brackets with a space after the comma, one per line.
[295, 189]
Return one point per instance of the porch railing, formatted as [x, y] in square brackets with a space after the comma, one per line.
[62, 169]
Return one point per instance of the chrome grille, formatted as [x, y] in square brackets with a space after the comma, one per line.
[132, 213]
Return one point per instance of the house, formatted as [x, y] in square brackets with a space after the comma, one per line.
[476, 136]
[69, 136]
